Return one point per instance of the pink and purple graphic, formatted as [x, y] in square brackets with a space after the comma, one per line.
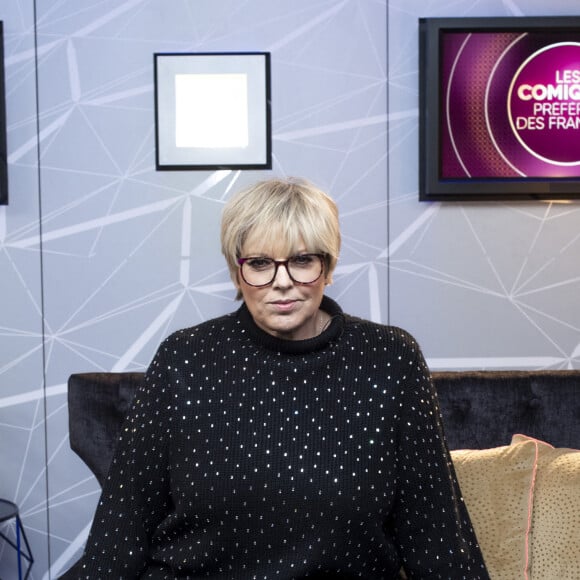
[510, 105]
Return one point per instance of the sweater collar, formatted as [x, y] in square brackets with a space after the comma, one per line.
[281, 345]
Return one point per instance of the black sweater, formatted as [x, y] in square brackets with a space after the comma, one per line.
[246, 456]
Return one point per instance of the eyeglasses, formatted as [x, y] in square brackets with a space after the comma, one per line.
[260, 271]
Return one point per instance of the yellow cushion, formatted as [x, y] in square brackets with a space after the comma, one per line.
[497, 486]
[555, 535]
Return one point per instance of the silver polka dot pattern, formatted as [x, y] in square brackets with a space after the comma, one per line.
[250, 457]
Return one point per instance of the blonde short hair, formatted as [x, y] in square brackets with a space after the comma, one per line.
[286, 212]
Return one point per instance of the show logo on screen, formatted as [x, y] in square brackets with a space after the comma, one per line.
[544, 104]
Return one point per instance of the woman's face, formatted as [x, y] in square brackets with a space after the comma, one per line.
[284, 308]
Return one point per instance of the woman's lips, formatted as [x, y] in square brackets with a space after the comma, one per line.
[284, 305]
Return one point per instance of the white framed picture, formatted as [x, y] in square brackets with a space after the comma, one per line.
[212, 111]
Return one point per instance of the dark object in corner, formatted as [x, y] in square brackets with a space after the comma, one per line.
[3, 144]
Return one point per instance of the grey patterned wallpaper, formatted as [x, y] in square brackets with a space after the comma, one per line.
[101, 256]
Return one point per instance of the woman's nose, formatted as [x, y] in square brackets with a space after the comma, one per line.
[282, 277]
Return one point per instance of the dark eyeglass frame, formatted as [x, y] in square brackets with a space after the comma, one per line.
[277, 264]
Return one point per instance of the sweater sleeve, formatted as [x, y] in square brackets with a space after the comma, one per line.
[431, 524]
[135, 497]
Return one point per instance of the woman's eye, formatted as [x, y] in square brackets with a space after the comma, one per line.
[259, 263]
[304, 260]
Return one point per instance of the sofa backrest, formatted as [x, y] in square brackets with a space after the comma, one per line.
[483, 409]
[97, 406]
[480, 409]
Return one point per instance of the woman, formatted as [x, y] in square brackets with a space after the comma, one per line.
[286, 439]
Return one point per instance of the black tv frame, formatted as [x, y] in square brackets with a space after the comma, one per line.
[432, 187]
[3, 143]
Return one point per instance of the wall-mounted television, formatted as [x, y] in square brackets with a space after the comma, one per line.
[499, 108]
[3, 147]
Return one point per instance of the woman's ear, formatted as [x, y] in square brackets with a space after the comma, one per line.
[236, 281]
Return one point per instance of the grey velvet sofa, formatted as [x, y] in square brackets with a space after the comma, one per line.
[482, 410]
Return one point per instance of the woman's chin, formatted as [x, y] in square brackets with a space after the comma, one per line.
[285, 327]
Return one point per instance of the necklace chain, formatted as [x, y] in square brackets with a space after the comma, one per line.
[323, 324]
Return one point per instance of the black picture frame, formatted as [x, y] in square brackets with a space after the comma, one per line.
[3, 139]
[179, 81]
[445, 46]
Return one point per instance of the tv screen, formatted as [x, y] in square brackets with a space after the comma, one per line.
[499, 108]
[3, 149]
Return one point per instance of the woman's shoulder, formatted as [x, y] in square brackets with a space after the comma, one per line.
[379, 331]
[214, 328]
[385, 346]
[363, 327]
